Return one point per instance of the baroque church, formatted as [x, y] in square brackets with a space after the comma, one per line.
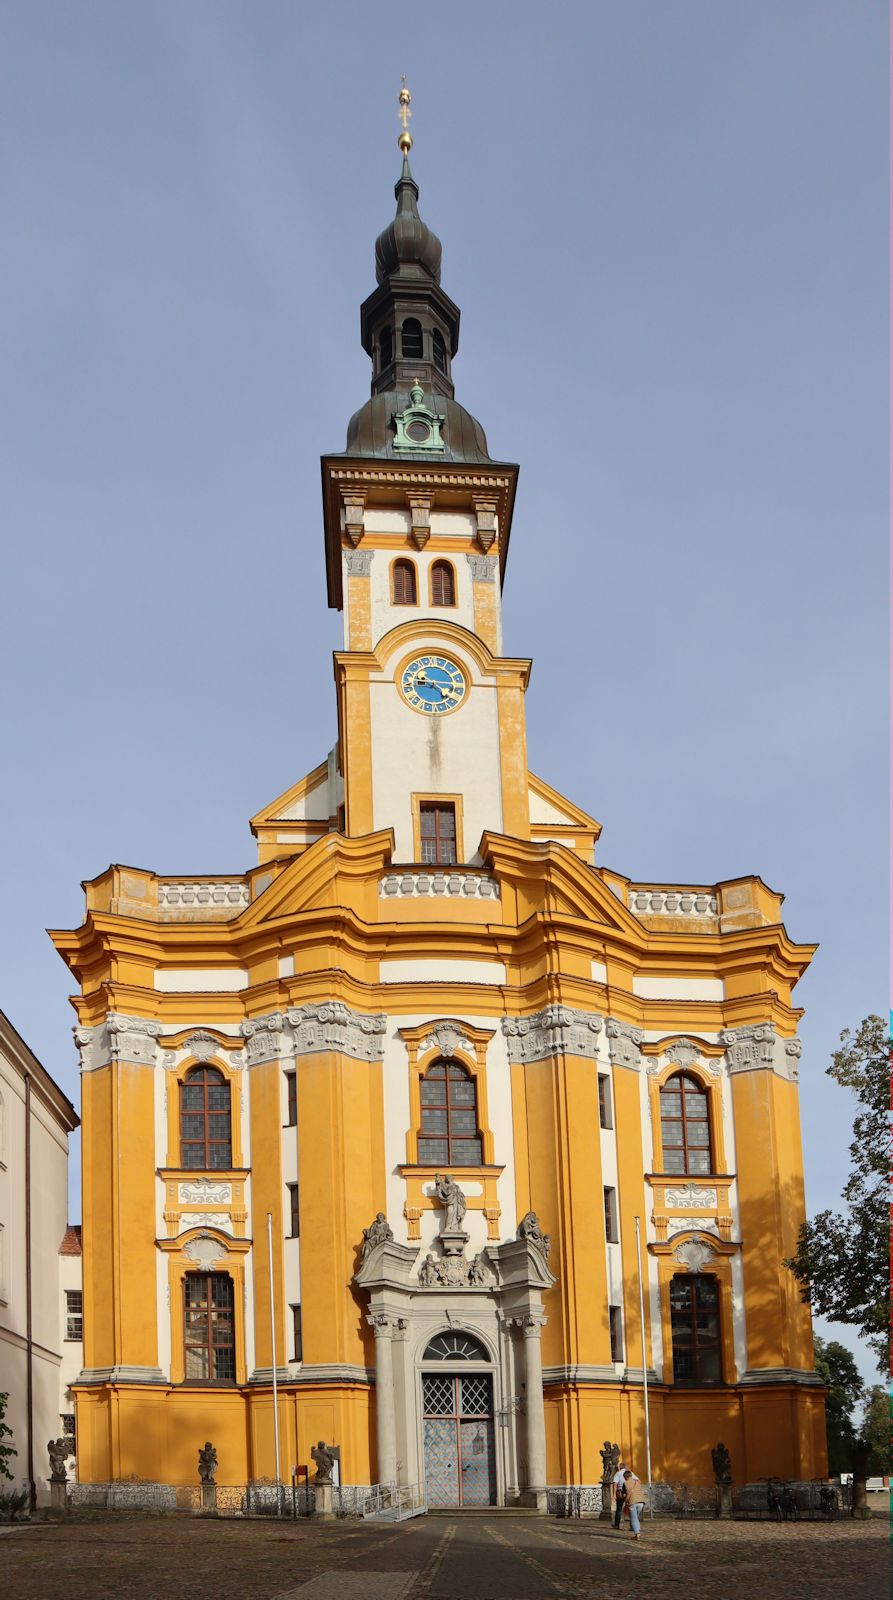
[461, 1067]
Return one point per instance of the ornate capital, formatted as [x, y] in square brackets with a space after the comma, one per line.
[267, 1039]
[557, 1030]
[119, 1038]
[335, 1026]
[623, 1044]
[531, 1323]
[750, 1049]
[384, 1325]
[358, 563]
[483, 568]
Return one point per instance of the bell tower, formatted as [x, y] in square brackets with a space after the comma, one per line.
[417, 522]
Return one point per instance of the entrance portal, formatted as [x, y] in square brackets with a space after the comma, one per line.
[460, 1465]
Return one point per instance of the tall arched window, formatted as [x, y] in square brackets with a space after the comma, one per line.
[209, 1335]
[385, 347]
[439, 349]
[443, 584]
[694, 1317]
[205, 1120]
[411, 339]
[449, 1133]
[685, 1125]
[404, 584]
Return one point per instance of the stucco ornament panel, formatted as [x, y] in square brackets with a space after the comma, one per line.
[335, 1026]
[483, 568]
[358, 563]
[446, 1038]
[206, 1219]
[793, 1050]
[202, 1192]
[132, 1038]
[751, 1048]
[623, 1044]
[267, 1039]
[686, 1224]
[694, 1254]
[557, 1030]
[684, 1053]
[692, 1196]
[205, 1251]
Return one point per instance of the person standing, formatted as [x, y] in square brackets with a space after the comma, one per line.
[635, 1499]
[618, 1493]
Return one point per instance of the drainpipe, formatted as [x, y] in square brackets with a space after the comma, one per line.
[29, 1332]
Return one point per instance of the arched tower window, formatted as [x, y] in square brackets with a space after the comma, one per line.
[443, 584]
[450, 1133]
[205, 1120]
[439, 350]
[694, 1317]
[411, 339]
[385, 347]
[404, 584]
[209, 1335]
[685, 1125]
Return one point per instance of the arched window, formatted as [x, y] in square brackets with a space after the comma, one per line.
[205, 1120]
[443, 584]
[694, 1317]
[449, 1133]
[685, 1125]
[439, 350]
[455, 1347]
[385, 347]
[209, 1335]
[411, 339]
[404, 584]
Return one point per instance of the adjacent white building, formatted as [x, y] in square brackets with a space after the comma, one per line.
[36, 1119]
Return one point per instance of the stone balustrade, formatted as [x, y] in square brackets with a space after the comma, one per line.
[438, 882]
[672, 903]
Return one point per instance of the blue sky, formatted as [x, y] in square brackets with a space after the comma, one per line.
[666, 228]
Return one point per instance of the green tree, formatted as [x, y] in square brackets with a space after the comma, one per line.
[875, 1430]
[6, 1450]
[837, 1368]
[841, 1261]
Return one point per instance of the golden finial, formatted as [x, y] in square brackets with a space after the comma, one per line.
[404, 100]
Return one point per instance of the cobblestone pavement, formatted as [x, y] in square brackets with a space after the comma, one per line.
[119, 1557]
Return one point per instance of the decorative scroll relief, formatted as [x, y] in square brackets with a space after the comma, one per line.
[307, 1030]
[687, 1224]
[557, 1030]
[202, 1192]
[471, 884]
[447, 1039]
[358, 563]
[759, 1047]
[206, 1219]
[623, 1044]
[672, 903]
[693, 1196]
[694, 1254]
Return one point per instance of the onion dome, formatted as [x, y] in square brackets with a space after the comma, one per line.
[407, 246]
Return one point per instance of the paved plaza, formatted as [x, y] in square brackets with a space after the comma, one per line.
[118, 1557]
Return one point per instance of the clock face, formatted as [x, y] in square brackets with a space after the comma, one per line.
[433, 685]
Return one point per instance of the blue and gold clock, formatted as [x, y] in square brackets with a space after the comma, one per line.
[433, 684]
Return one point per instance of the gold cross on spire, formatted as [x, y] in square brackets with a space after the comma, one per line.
[404, 100]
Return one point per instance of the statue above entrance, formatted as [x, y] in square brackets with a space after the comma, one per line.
[453, 1201]
[529, 1229]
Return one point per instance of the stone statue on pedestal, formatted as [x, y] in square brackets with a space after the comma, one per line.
[58, 1451]
[453, 1201]
[378, 1232]
[325, 1459]
[722, 1463]
[207, 1463]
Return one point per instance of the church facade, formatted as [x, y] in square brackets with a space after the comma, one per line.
[457, 1063]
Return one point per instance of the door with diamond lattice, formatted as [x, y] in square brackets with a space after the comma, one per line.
[460, 1465]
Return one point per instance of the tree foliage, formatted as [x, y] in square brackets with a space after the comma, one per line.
[6, 1450]
[837, 1368]
[875, 1430]
[841, 1261]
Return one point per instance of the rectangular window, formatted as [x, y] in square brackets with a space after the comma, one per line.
[694, 1318]
[611, 1233]
[604, 1101]
[74, 1314]
[294, 1211]
[296, 1331]
[437, 827]
[291, 1086]
[68, 1428]
[209, 1327]
[616, 1324]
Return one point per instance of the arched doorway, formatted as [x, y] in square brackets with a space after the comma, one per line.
[457, 1421]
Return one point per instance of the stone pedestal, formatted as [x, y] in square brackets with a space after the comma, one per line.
[209, 1499]
[723, 1500]
[324, 1503]
[453, 1243]
[607, 1511]
[57, 1495]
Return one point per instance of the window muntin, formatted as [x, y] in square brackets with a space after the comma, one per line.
[437, 834]
[74, 1314]
[209, 1327]
[291, 1088]
[694, 1318]
[611, 1232]
[615, 1318]
[450, 1133]
[404, 584]
[443, 584]
[685, 1125]
[411, 339]
[294, 1211]
[438, 349]
[205, 1120]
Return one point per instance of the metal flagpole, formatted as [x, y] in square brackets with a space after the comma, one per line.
[644, 1368]
[273, 1348]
